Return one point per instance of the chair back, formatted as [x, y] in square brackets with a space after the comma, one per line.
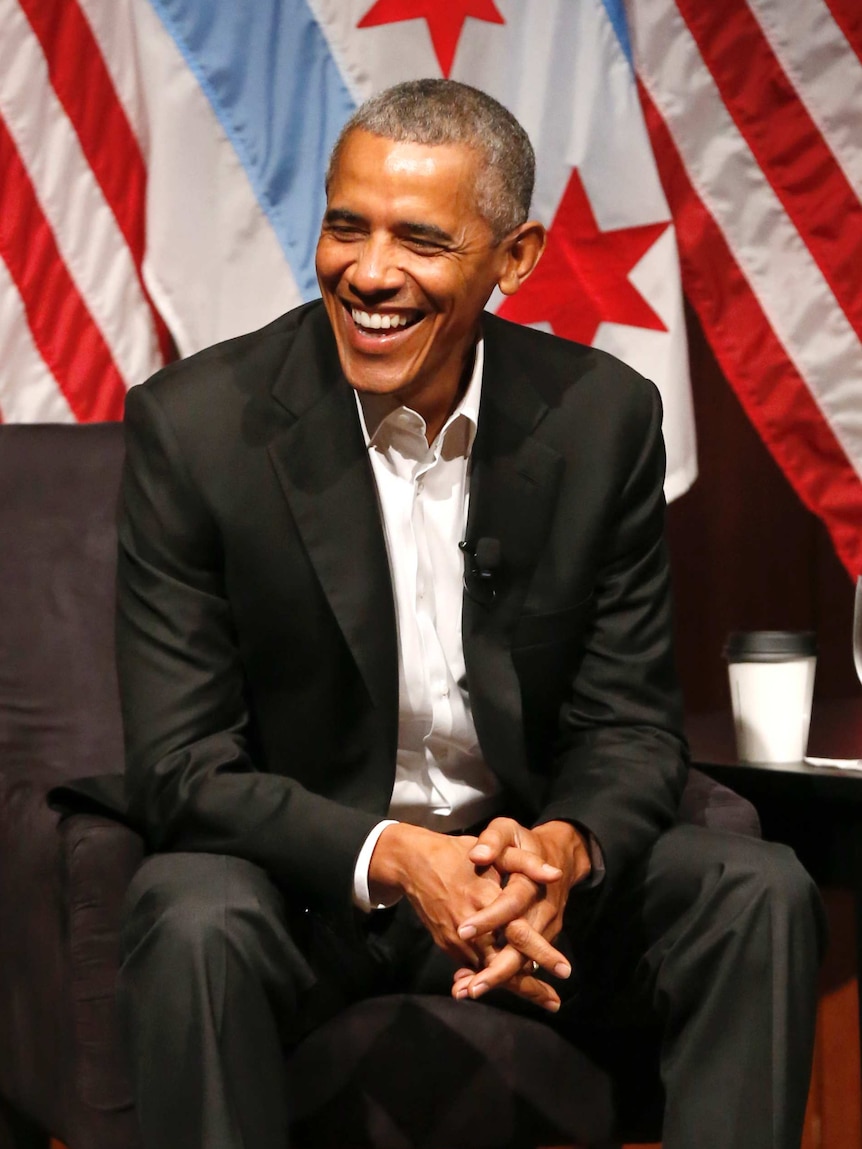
[59, 709]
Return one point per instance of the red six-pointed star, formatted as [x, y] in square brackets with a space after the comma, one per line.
[445, 20]
[582, 277]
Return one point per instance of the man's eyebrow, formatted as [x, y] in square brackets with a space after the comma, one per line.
[342, 215]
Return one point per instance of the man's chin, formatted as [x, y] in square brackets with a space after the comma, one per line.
[374, 375]
[368, 384]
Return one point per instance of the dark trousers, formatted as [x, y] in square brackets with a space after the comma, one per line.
[714, 940]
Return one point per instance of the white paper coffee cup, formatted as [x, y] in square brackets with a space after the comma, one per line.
[771, 686]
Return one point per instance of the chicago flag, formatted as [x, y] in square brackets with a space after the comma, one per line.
[161, 178]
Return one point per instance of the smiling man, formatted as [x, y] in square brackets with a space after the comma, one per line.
[397, 681]
[406, 264]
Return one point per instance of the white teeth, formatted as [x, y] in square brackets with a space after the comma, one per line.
[376, 321]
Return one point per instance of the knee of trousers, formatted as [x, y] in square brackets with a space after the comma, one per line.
[185, 911]
[760, 881]
[708, 883]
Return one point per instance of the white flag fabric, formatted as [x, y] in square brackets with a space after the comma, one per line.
[755, 112]
[163, 164]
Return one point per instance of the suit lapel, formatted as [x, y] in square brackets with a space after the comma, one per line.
[322, 464]
[513, 489]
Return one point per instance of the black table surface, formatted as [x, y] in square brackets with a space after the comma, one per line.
[815, 809]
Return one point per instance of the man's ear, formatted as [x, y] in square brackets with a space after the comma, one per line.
[523, 247]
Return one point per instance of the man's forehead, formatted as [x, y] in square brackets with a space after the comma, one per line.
[418, 185]
[405, 157]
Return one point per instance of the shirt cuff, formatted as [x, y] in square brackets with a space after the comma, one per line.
[361, 893]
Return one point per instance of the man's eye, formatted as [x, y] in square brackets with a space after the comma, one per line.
[423, 245]
[344, 233]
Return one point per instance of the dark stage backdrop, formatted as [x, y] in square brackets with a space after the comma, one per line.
[745, 552]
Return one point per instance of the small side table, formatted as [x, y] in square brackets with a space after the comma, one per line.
[816, 810]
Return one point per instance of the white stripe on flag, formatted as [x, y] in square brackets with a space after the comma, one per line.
[356, 58]
[823, 68]
[92, 247]
[806, 318]
[28, 391]
[370, 59]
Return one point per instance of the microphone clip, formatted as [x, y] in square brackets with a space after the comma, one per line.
[482, 564]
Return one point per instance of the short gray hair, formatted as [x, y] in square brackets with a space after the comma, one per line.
[434, 111]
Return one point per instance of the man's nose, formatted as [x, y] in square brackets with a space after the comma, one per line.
[376, 268]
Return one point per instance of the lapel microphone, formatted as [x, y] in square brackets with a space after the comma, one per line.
[481, 564]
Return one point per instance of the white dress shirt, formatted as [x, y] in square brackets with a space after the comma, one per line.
[441, 779]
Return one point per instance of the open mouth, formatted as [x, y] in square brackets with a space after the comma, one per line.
[381, 323]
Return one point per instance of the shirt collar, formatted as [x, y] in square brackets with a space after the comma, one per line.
[377, 412]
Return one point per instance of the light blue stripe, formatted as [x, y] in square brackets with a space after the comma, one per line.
[266, 69]
[617, 16]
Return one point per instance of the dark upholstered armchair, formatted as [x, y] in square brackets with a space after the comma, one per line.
[374, 1076]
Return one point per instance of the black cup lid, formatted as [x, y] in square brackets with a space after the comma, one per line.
[770, 645]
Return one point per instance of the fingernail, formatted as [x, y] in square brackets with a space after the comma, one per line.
[479, 989]
[552, 1006]
[484, 851]
[551, 871]
[467, 932]
[460, 994]
[562, 969]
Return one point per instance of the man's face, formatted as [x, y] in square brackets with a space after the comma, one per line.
[406, 264]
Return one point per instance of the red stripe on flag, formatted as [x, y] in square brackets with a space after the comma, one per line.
[771, 390]
[785, 142]
[85, 89]
[847, 14]
[64, 331]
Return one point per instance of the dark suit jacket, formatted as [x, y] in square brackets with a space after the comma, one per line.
[256, 634]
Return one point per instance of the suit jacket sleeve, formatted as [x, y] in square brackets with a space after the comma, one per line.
[621, 760]
[192, 781]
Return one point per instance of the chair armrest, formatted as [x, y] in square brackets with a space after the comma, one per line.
[706, 802]
[100, 859]
[61, 886]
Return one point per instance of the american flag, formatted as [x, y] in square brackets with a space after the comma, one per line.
[754, 109]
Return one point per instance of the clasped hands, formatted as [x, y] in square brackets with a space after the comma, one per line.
[493, 903]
